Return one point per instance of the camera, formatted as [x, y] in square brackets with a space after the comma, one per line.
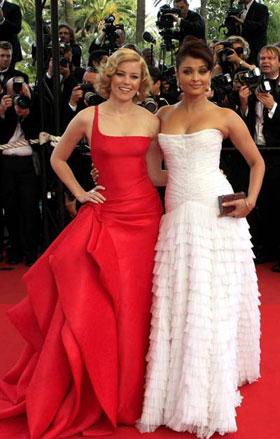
[111, 33]
[222, 86]
[254, 80]
[164, 20]
[92, 98]
[86, 87]
[150, 104]
[227, 50]
[22, 101]
[18, 82]
[63, 48]
[63, 62]
[109, 20]
[230, 24]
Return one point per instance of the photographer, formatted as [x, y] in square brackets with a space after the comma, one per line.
[83, 95]
[97, 58]
[189, 22]
[254, 21]
[19, 181]
[7, 70]
[231, 56]
[67, 36]
[155, 100]
[69, 78]
[261, 111]
[110, 37]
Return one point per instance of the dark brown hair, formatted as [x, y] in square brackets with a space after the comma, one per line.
[5, 45]
[195, 48]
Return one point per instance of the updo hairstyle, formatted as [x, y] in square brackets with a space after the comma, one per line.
[197, 49]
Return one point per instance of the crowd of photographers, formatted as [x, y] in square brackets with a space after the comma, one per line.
[245, 79]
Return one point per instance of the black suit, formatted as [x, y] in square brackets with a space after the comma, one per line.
[10, 73]
[254, 29]
[193, 25]
[20, 190]
[267, 219]
[11, 27]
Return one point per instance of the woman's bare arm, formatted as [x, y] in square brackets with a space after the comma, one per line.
[242, 140]
[154, 160]
[78, 128]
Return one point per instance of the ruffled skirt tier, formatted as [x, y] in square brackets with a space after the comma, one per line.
[204, 341]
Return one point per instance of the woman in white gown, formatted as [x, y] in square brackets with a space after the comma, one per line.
[204, 340]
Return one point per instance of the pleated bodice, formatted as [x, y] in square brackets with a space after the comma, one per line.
[193, 164]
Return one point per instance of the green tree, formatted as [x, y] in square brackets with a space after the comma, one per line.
[140, 20]
[274, 21]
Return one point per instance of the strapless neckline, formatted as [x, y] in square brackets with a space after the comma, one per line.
[192, 134]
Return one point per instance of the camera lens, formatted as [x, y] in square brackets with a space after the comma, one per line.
[22, 101]
[17, 84]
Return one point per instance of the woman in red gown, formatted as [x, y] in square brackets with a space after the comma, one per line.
[86, 315]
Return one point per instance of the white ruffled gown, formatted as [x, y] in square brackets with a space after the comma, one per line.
[205, 333]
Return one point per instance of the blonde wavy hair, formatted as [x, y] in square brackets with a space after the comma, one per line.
[106, 72]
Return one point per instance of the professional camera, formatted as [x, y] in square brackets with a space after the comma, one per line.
[110, 30]
[18, 82]
[230, 24]
[92, 98]
[222, 87]
[254, 80]
[164, 19]
[63, 48]
[86, 87]
[22, 101]
[150, 104]
[89, 94]
[227, 50]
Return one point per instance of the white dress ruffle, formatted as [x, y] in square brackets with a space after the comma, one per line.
[204, 339]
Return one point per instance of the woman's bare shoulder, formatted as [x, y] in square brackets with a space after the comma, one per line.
[166, 111]
[228, 120]
[150, 119]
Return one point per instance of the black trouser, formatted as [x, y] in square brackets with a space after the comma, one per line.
[264, 220]
[268, 204]
[20, 194]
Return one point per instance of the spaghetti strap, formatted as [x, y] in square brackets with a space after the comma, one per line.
[94, 126]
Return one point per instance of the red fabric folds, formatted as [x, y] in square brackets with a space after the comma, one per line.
[86, 315]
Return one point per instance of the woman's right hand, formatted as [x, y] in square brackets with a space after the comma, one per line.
[92, 196]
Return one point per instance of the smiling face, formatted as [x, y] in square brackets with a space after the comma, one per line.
[193, 76]
[126, 81]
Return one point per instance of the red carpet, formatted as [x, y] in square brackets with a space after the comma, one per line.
[259, 415]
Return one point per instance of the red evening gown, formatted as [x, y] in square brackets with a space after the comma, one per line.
[87, 312]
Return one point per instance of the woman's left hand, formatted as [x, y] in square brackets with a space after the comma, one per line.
[94, 174]
[242, 208]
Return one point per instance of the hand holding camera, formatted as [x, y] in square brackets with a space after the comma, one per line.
[76, 95]
[266, 99]
[6, 102]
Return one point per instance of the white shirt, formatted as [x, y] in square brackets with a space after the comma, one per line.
[21, 151]
[258, 136]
